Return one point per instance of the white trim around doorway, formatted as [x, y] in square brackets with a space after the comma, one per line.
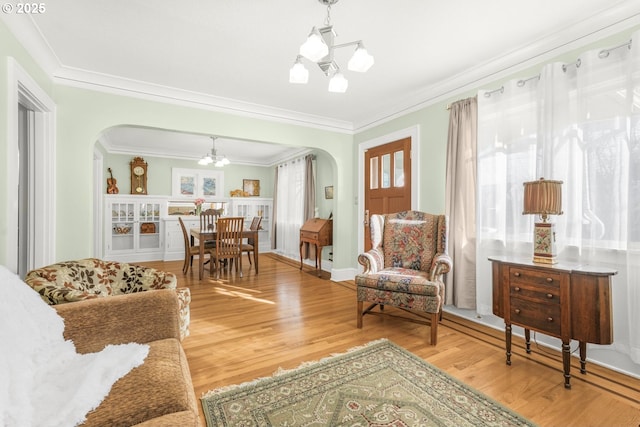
[22, 88]
[411, 132]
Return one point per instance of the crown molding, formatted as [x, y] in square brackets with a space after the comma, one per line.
[134, 88]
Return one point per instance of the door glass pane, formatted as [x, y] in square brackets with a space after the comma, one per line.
[398, 169]
[373, 172]
[386, 171]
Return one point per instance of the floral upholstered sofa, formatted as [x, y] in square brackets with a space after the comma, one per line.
[90, 278]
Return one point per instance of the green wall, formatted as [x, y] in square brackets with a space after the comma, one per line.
[159, 174]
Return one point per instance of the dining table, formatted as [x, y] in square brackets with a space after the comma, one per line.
[206, 235]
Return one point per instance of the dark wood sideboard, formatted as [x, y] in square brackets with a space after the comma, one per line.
[566, 301]
[317, 232]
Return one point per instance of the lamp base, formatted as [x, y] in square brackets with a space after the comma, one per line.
[544, 243]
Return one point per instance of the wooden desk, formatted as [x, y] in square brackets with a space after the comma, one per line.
[317, 232]
[566, 301]
[203, 236]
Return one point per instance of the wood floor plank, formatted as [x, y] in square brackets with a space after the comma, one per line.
[247, 328]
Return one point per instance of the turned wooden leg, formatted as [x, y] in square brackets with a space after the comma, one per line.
[527, 339]
[507, 340]
[566, 363]
[583, 357]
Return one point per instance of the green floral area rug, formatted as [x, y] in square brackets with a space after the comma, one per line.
[379, 384]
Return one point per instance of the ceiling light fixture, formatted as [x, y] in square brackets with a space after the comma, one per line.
[319, 48]
[213, 157]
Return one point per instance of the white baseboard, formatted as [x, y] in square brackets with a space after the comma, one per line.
[342, 274]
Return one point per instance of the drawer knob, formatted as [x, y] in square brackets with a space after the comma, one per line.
[517, 274]
[517, 310]
[549, 319]
[549, 296]
[517, 289]
[549, 280]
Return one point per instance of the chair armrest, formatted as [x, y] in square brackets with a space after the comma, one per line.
[140, 317]
[440, 265]
[372, 261]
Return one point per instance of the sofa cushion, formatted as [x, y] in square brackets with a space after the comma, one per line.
[401, 280]
[159, 387]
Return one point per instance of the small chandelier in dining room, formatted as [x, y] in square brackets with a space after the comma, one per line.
[319, 48]
[213, 157]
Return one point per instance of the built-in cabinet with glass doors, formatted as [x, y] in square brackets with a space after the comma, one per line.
[133, 228]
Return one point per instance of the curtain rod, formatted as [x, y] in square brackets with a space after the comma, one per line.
[602, 54]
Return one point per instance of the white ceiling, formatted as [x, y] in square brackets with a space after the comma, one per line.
[235, 54]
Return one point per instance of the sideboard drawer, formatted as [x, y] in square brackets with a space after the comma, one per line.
[533, 277]
[540, 293]
[542, 317]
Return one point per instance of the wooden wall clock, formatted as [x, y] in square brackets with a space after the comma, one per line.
[138, 176]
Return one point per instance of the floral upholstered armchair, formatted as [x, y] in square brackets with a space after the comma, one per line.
[404, 268]
[89, 278]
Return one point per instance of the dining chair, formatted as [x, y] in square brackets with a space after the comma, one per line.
[249, 246]
[208, 218]
[190, 250]
[227, 244]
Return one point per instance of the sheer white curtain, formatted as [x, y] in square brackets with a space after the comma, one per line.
[579, 123]
[290, 194]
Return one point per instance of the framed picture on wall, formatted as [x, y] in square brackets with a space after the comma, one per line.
[328, 192]
[195, 183]
[211, 184]
[188, 185]
[251, 186]
[183, 183]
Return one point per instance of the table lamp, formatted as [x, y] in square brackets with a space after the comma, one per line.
[543, 197]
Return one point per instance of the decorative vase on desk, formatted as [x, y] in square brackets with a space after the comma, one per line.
[198, 210]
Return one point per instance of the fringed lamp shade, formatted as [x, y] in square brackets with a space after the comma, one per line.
[543, 197]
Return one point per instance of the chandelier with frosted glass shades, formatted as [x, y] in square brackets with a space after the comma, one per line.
[213, 157]
[319, 48]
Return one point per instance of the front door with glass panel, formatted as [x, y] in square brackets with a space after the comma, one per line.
[387, 181]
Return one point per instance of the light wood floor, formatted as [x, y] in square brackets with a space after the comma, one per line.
[245, 328]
